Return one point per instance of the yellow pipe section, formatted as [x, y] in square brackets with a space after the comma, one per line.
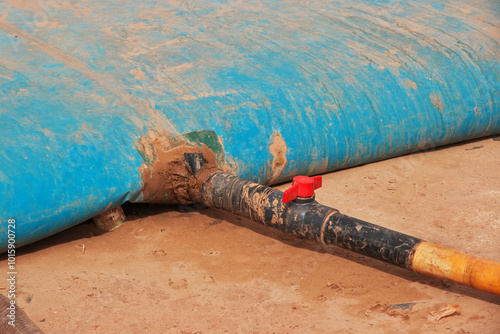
[447, 264]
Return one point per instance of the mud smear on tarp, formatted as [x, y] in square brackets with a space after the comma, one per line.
[108, 82]
[165, 174]
[278, 150]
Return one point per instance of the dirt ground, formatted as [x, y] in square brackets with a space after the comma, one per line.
[180, 270]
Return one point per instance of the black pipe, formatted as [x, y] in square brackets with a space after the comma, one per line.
[306, 218]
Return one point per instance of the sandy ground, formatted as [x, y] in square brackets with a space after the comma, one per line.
[179, 270]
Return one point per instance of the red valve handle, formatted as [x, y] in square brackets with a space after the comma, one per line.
[302, 186]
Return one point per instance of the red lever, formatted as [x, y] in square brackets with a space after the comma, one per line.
[302, 186]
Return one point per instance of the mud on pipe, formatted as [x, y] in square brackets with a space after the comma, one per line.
[306, 218]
